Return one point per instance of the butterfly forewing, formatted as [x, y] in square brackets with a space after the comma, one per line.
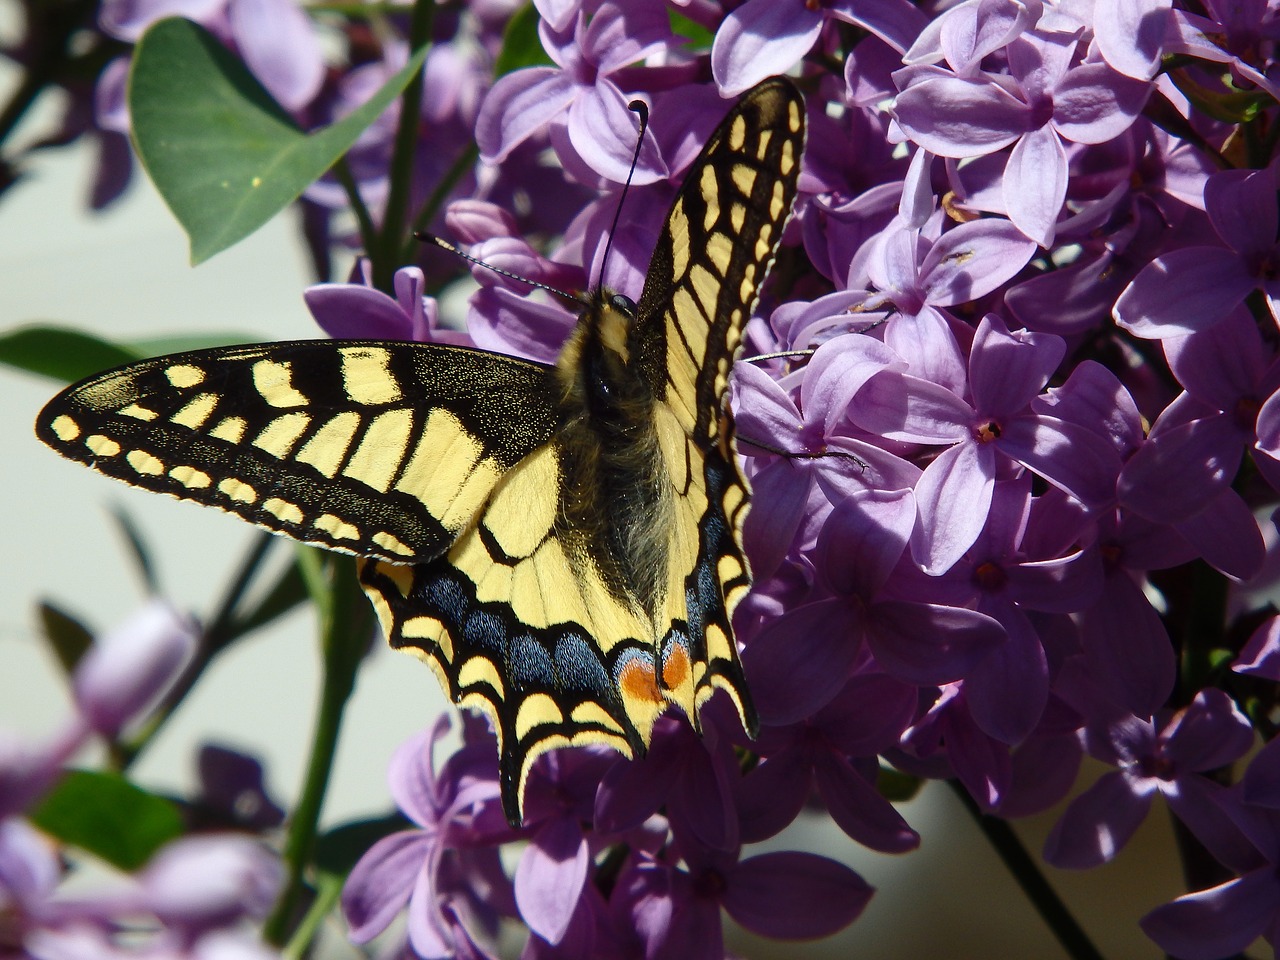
[703, 282]
[378, 449]
[717, 246]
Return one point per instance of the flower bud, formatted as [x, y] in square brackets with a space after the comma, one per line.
[127, 670]
[211, 881]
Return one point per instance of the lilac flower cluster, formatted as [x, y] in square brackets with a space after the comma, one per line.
[1044, 318]
[1033, 459]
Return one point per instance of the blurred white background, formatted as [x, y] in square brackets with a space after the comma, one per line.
[125, 274]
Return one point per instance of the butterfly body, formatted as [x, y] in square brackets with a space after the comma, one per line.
[610, 453]
[561, 542]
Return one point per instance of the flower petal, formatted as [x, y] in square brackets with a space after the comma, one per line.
[1203, 454]
[350, 311]
[279, 44]
[971, 260]
[1073, 458]
[1218, 922]
[959, 117]
[518, 106]
[603, 132]
[1130, 34]
[863, 539]
[1035, 184]
[1009, 688]
[1097, 824]
[128, 669]
[379, 885]
[550, 876]
[954, 495]
[929, 643]
[1094, 104]
[859, 810]
[772, 795]
[1183, 291]
[1006, 370]
[1129, 651]
[759, 39]
[793, 896]
[1242, 207]
[801, 660]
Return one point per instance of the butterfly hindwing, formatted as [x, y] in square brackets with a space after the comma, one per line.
[519, 629]
[374, 448]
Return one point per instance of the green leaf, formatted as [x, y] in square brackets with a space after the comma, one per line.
[67, 636]
[696, 36]
[1220, 659]
[1229, 107]
[896, 786]
[109, 817]
[57, 352]
[338, 849]
[224, 155]
[69, 355]
[521, 45]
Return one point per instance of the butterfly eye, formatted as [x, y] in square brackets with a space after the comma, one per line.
[623, 304]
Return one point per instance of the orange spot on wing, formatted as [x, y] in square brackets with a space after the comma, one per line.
[676, 669]
[637, 680]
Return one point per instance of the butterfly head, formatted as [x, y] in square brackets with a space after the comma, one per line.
[597, 368]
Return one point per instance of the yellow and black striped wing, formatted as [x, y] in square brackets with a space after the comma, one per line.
[718, 245]
[381, 449]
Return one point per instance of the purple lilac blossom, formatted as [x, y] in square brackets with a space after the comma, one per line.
[579, 93]
[129, 668]
[1165, 757]
[192, 902]
[275, 38]
[1046, 99]
[1193, 288]
[232, 792]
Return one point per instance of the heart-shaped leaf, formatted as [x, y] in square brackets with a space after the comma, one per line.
[223, 154]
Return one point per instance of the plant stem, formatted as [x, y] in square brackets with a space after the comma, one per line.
[1034, 884]
[1205, 620]
[368, 230]
[329, 890]
[406, 140]
[427, 212]
[345, 626]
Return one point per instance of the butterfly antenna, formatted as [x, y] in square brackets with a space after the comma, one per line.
[641, 110]
[446, 245]
[780, 355]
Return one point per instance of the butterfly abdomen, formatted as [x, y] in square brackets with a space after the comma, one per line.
[616, 498]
